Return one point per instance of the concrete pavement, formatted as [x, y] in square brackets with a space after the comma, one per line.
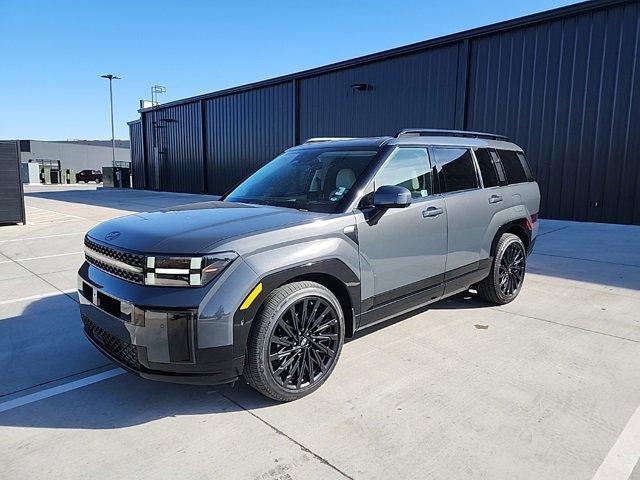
[545, 387]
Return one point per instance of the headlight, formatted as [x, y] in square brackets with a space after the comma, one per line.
[186, 271]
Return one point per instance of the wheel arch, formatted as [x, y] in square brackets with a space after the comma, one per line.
[332, 273]
[516, 227]
[340, 290]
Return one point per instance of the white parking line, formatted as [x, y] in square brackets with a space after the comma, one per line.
[39, 258]
[43, 236]
[625, 453]
[57, 390]
[36, 297]
[53, 211]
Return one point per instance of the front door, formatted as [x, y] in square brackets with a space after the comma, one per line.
[405, 252]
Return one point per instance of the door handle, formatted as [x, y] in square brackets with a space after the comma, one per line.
[432, 212]
[495, 198]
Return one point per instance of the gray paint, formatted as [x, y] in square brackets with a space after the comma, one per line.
[562, 84]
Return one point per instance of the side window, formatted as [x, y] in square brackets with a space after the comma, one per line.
[525, 165]
[455, 169]
[513, 167]
[487, 168]
[409, 168]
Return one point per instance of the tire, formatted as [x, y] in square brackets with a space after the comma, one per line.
[278, 338]
[507, 273]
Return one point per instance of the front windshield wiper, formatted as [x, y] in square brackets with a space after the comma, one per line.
[298, 204]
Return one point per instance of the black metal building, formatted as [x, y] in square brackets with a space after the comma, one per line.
[563, 84]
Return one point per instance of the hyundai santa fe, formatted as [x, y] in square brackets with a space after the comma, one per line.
[329, 238]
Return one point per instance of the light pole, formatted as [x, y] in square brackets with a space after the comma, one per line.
[111, 78]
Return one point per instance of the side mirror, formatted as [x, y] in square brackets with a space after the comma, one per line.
[391, 196]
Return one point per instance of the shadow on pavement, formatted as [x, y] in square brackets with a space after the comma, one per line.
[42, 342]
[126, 401]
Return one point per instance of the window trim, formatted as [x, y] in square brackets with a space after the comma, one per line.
[436, 173]
[493, 164]
[497, 163]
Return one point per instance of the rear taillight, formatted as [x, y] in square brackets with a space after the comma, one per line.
[533, 218]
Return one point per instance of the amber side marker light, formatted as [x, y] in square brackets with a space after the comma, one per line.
[251, 297]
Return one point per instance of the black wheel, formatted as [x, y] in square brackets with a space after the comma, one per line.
[507, 271]
[295, 341]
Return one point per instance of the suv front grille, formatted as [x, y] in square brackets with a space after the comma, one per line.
[120, 350]
[125, 265]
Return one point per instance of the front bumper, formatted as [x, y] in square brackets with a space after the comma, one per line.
[181, 338]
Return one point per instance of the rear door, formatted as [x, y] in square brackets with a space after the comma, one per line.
[466, 217]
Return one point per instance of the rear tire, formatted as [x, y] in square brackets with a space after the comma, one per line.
[507, 271]
[295, 341]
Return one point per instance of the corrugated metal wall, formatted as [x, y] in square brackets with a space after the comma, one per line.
[568, 92]
[151, 170]
[412, 90]
[564, 85]
[178, 144]
[137, 154]
[244, 131]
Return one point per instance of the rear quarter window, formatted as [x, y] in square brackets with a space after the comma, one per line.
[487, 168]
[512, 165]
[455, 168]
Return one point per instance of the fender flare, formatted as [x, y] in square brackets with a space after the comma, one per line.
[330, 272]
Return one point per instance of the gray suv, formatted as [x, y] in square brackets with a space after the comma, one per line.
[328, 239]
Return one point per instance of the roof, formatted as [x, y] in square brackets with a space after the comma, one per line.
[556, 13]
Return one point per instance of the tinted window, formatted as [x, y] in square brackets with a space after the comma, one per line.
[409, 168]
[455, 169]
[512, 166]
[525, 165]
[487, 169]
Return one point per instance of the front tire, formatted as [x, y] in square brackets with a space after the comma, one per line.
[295, 341]
[507, 271]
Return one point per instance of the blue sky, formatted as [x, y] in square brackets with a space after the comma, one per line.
[53, 52]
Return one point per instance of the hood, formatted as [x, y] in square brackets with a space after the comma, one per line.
[190, 229]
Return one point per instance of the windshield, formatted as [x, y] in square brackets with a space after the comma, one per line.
[314, 179]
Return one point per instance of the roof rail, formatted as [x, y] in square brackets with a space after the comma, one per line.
[325, 139]
[434, 132]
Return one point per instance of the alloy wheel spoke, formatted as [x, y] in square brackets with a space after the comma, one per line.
[304, 318]
[329, 323]
[287, 328]
[281, 354]
[282, 341]
[322, 347]
[313, 314]
[296, 322]
[328, 336]
[285, 364]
